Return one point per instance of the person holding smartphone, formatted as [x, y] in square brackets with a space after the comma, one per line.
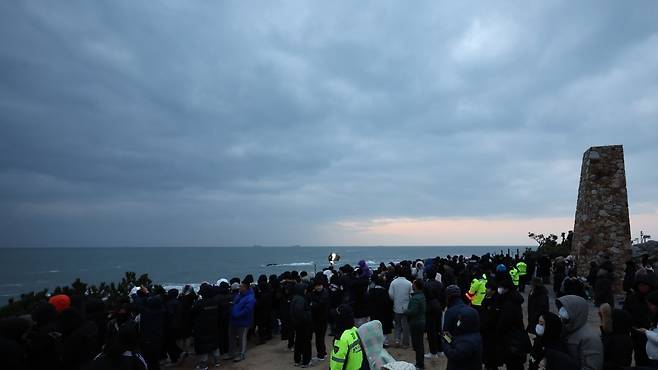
[463, 347]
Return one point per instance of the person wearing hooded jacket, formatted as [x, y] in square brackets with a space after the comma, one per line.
[636, 304]
[463, 345]
[224, 302]
[537, 303]
[300, 315]
[242, 316]
[582, 343]
[205, 317]
[400, 291]
[512, 340]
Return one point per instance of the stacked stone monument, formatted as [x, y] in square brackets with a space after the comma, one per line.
[602, 226]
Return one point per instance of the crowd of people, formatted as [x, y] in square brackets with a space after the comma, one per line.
[469, 310]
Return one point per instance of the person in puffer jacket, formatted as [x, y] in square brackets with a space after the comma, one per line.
[463, 347]
[300, 315]
[242, 316]
[583, 344]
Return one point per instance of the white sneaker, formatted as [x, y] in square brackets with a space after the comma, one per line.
[431, 356]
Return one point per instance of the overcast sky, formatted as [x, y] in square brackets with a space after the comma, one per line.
[317, 123]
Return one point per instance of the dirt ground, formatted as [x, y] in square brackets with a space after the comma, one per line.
[274, 355]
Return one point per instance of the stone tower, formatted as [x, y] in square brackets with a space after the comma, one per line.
[602, 226]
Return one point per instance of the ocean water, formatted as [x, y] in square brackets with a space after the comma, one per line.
[27, 269]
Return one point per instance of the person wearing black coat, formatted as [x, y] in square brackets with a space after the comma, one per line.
[434, 296]
[616, 326]
[548, 331]
[336, 298]
[463, 346]
[287, 327]
[172, 334]
[603, 285]
[205, 318]
[636, 305]
[319, 301]
[263, 310]
[489, 312]
[275, 288]
[537, 303]
[300, 316]
[41, 345]
[629, 276]
[512, 340]
[151, 330]
[224, 302]
[382, 307]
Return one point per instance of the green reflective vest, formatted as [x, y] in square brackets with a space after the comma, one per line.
[514, 273]
[522, 267]
[478, 290]
[347, 353]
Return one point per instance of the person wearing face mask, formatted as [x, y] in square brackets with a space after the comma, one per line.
[548, 330]
[537, 303]
[513, 343]
[582, 343]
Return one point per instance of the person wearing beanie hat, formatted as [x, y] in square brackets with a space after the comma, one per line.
[60, 301]
[455, 305]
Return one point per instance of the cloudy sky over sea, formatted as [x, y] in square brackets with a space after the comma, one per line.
[317, 123]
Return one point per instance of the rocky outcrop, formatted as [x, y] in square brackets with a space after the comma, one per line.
[602, 226]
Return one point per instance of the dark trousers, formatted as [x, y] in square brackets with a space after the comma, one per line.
[418, 345]
[170, 346]
[433, 327]
[303, 336]
[640, 349]
[320, 331]
[151, 350]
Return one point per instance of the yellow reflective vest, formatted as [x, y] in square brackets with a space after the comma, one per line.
[522, 267]
[347, 353]
[514, 273]
[478, 290]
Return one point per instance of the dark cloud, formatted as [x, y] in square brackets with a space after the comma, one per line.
[239, 123]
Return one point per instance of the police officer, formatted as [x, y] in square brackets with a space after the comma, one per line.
[522, 268]
[477, 291]
[347, 353]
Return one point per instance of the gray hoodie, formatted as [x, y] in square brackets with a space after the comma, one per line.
[582, 342]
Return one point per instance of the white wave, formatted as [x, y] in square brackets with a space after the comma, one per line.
[292, 264]
[11, 285]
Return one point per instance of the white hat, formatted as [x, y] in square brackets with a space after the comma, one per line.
[222, 280]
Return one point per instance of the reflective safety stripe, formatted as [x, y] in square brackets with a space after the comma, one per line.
[339, 360]
[353, 344]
